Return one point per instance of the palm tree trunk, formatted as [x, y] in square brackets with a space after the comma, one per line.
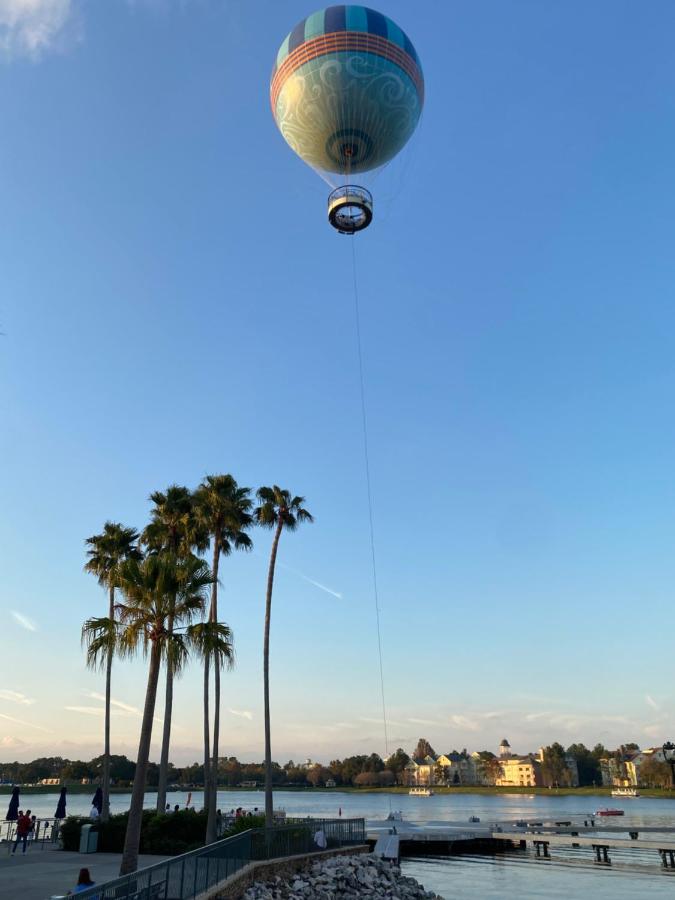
[269, 802]
[166, 733]
[105, 809]
[132, 838]
[211, 799]
[207, 731]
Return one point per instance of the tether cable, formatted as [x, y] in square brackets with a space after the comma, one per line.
[366, 456]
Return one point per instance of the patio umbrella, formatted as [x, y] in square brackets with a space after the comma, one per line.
[13, 811]
[97, 800]
[61, 805]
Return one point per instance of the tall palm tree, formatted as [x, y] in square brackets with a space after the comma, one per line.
[277, 509]
[106, 552]
[171, 530]
[223, 512]
[160, 588]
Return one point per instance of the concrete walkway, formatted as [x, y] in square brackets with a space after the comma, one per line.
[41, 873]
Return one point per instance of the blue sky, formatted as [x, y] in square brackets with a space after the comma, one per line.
[174, 304]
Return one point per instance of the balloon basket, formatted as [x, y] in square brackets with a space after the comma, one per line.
[350, 209]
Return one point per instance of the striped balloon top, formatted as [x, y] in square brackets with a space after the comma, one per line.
[346, 28]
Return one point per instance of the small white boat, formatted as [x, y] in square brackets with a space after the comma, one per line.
[625, 792]
[421, 792]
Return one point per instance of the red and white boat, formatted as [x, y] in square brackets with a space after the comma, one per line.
[609, 812]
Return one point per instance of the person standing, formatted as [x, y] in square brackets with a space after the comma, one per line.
[23, 827]
[93, 812]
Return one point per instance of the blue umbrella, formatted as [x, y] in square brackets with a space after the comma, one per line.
[61, 805]
[13, 811]
[97, 800]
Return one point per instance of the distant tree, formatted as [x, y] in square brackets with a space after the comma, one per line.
[318, 775]
[423, 749]
[374, 763]
[554, 768]
[488, 767]
[397, 763]
[653, 773]
[386, 778]
[366, 779]
[587, 764]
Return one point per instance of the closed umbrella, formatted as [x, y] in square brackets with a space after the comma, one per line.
[97, 800]
[61, 805]
[13, 811]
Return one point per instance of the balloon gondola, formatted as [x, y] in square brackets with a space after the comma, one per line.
[347, 92]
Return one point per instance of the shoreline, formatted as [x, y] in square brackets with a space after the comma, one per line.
[480, 790]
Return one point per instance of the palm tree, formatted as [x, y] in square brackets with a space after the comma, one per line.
[107, 551]
[171, 530]
[278, 510]
[223, 511]
[160, 589]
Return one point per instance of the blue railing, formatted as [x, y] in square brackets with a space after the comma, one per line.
[186, 876]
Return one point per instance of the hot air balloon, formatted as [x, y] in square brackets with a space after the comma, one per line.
[347, 91]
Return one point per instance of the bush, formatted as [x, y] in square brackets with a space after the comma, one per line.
[69, 832]
[162, 834]
[243, 823]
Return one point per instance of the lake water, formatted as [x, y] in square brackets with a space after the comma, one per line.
[634, 874]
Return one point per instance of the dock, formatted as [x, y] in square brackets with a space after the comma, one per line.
[543, 836]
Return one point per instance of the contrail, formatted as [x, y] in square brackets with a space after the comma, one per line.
[318, 584]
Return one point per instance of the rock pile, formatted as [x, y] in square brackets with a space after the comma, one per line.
[343, 878]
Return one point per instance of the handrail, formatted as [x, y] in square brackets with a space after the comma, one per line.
[186, 876]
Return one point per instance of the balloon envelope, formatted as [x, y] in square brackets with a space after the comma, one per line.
[347, 89]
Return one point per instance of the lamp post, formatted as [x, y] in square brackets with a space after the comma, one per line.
[669, 756]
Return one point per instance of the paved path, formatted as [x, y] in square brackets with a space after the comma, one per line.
[41, 873]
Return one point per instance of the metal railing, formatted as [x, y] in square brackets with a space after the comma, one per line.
[187, 876]
[45, 831]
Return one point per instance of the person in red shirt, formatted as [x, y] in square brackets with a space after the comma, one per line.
[23, 829]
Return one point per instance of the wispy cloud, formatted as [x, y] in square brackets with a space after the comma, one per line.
[16, 697]
[25, 724]
[374, 721]
[118, 703]
[18, 617]
[12, 743]
[318, 584]
[30, 27]
[86, 710]
[430, 722]
[242, 713]
[651, 702]
[464, 722]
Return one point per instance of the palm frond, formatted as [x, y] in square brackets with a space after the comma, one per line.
[100, 637]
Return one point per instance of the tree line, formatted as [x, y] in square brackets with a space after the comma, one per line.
[365, 770]
[163, 603]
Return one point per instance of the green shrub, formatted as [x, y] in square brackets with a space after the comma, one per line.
[243, 823]
[69, 832]
[167, 835]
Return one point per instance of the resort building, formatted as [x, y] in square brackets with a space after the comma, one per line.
[520, 771]
[454, 768]
[420, 772]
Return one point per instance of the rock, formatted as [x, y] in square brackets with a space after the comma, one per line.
[343, 878]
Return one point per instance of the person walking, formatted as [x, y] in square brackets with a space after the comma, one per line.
[23, 828]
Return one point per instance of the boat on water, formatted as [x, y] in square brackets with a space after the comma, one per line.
[420, 792]
[625, 792]
[609, 812]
